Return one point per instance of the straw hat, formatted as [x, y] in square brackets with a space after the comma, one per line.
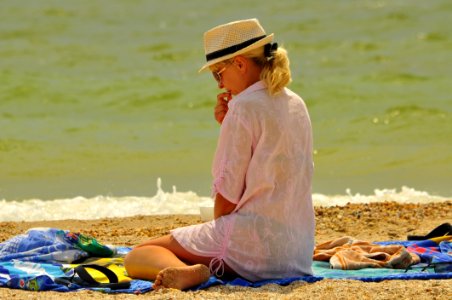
[231, 39]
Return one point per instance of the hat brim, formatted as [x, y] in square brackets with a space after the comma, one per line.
[257, 44]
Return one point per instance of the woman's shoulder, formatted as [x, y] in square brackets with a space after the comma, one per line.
[295, 98]
[249, 104]
[291, 94]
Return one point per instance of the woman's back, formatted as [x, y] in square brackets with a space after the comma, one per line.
[273, 227]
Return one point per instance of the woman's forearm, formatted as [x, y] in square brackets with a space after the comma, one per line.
[222, 206]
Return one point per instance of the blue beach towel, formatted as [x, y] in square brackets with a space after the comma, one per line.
[41, 245]
[435, 252]
[42, 259]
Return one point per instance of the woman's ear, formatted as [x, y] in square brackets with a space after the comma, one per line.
[241, 63]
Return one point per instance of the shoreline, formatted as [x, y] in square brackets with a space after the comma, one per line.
[369, 222]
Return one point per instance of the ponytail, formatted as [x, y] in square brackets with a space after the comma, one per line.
[275, 66]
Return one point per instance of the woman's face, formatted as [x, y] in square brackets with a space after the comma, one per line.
[228, 76]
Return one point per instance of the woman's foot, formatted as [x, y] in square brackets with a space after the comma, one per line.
[181, 278]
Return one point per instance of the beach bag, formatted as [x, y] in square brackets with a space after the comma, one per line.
[89, 245]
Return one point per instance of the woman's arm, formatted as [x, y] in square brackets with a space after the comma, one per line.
[222, 206]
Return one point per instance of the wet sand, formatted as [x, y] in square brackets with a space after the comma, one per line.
[371, 222]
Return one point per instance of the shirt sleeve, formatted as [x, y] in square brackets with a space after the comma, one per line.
[232, 157]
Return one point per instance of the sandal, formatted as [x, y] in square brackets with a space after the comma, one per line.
[441, 230]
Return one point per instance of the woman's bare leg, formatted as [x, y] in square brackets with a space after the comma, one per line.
[146, 262]
[161, 260]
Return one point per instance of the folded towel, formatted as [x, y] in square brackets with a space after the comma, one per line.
[346, 253]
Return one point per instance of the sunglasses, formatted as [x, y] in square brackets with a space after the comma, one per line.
[217, 74]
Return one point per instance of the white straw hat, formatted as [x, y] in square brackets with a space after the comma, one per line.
[231, 39]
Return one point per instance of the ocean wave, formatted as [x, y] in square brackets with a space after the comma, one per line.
[173, 202]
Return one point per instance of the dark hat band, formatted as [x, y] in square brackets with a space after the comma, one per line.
[232, 49]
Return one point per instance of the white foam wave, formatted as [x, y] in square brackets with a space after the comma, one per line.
[405, 195]
[171, 203]
[82, 208]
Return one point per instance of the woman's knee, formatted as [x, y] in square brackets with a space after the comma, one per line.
[133, 259]
[131, 263]
[145, 262]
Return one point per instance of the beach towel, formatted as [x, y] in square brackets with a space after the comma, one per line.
[53, 245]
[434, 252]
[347, 253]
[50, 266]
[42, 245]
[44, 259]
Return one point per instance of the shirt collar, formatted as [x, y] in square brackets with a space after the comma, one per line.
[259, 85]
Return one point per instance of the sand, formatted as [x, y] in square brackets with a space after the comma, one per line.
[371, 222]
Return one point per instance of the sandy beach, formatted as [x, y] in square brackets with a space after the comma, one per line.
[371, 222]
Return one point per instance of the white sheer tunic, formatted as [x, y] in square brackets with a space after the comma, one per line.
[263, 163]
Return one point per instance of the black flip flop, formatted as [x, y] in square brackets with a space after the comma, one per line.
[441, 230]
[85, 279]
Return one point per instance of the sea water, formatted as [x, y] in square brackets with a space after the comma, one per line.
[173, 202]
[99, 99]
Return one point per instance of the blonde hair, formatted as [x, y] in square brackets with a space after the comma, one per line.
[275, 71]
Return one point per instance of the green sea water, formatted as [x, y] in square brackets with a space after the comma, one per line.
[103, 97]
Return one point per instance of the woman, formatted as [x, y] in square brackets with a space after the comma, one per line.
[264, 219]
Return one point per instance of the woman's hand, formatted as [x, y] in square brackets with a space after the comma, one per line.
[221, 108]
